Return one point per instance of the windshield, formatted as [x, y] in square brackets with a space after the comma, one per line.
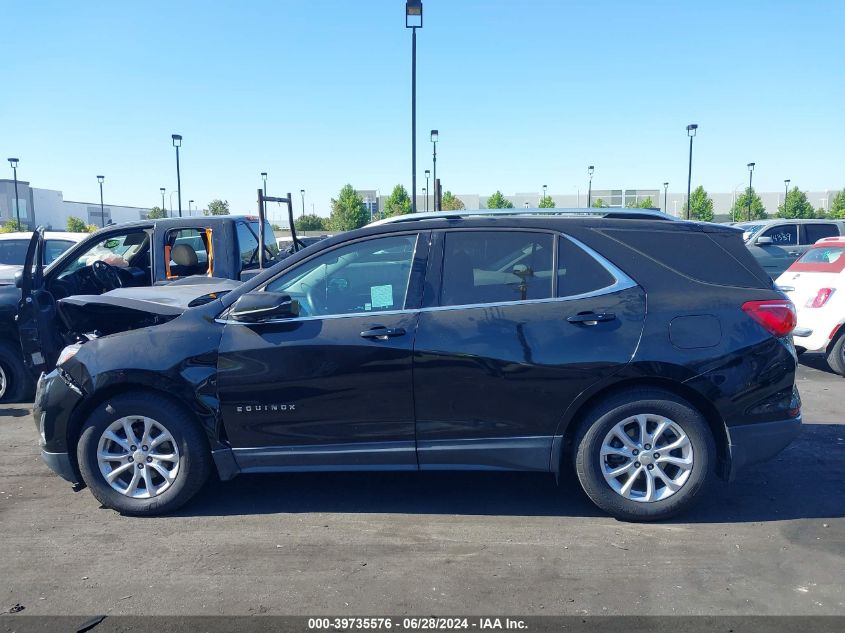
[749, 229]
[823, 255]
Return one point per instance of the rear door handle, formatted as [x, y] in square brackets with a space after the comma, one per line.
[381, 333]
[591, 318]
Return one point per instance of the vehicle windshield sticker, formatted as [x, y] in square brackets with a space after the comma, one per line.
[381, 296]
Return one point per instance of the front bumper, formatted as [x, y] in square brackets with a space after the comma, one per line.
[753, 443]
[55, 400]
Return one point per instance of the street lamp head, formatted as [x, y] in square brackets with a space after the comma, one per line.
[691, 128]
[413, 14]
[190, 202]
[264, 175]
[590, 170]
[751, 166]
[427, 173]
[100, 179]
[787, 181]
[177, 140]
[665, 184]
[13, 162]
[161, 189]
[434, 136]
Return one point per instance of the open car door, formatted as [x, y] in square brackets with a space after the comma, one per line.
[36, 318]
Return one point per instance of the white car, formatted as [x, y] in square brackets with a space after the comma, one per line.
[13, 250]
[816, 285]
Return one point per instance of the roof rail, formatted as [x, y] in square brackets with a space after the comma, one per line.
[599, 212]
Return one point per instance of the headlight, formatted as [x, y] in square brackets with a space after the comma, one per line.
[68, 353]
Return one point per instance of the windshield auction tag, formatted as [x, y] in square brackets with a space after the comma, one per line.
[381, 296]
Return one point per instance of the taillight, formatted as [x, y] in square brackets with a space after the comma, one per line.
[777, 316]
[820, 299]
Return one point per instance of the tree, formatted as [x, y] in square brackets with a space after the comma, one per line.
[598, 203]
[156, 212]
[498, 201]
[310, 222]
[397, 203]
[348, 211]
[75, 225]
[837, 207]
[700, 205]
[217, 207]
[451, 202]
[739, 212]
[796, 205]
[645, 203]
[546, 202]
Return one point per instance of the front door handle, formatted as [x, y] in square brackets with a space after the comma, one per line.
[591, 318]
[794, 253]
[381, 333]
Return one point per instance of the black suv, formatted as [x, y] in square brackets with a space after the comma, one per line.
[650, 355]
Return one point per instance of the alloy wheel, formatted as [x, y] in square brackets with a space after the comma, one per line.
[646, 457]
[138, 457]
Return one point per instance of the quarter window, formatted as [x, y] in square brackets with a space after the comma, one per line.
[187, 250]
[496, 266]
[783, 234]
[578, 272]
[368, 276]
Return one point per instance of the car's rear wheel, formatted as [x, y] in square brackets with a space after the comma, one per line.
[142, 454]
[15, 381]
[644, 455]
[836, 356]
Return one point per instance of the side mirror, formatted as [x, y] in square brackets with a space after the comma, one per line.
[254, 307]
[19, 279]
[764, 241]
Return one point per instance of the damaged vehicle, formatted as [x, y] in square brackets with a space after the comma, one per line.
[134, 255]
[459, 340]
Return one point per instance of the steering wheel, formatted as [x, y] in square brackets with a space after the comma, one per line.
[107, 275]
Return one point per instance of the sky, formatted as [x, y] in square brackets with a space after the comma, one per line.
[318, 94]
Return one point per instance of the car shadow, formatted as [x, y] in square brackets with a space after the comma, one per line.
[805, 481]
[816, 361]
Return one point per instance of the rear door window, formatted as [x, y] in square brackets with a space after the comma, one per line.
[496, 267]
[814, 232]
[782, 234]
[187, 252]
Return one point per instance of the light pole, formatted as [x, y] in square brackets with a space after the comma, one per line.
[590, 171]
[264, 178]
[665, 190]
[163, 210]
[413, 21]
[190, 204]
[302, 193]
[691, 129]
[177, 143]
[100, 180]
[785, 192]
[13, 162]
[544, 194]
[425, 193]
[750, 191]
[526, 205]
[435, 135]
[427, 187]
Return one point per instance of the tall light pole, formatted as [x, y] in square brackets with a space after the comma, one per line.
[264, 178]
[413, 21]
[785, 191]
[750, 190]
[190, 204]
[177, 143]
[13, 162]
[100, 180]
[302, 193]
[691, 129]
[163, 210]
[590, 171]
[427, 188]
[544, 194]
[435, 135]
[665, 190]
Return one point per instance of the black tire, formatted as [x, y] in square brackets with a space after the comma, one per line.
[19, 384]
[194, 464]
[599, 421]
[836, 356]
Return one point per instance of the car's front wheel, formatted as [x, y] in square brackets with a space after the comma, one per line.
[644, 455]
[142, 454]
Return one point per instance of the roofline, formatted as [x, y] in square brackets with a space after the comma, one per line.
[601, 212]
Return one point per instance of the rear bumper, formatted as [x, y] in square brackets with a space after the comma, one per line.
[753, 443]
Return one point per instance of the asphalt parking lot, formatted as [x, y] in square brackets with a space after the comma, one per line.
[446, 543]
